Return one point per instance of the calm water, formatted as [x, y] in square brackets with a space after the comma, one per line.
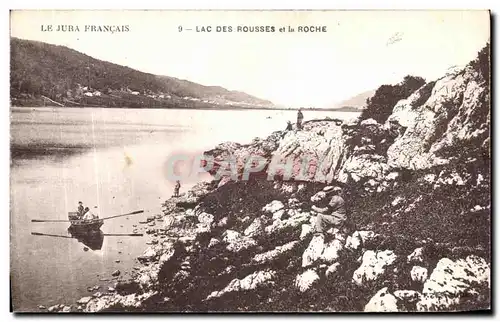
[114, 159]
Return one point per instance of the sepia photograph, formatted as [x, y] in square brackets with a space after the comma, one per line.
[300, 161]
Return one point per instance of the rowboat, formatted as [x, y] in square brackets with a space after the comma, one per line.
[82, 226]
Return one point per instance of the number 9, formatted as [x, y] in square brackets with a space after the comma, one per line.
[180, 28]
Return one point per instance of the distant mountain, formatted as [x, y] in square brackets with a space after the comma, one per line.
[355, 103]
[45, 74]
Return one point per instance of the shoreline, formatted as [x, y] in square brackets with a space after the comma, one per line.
[200, 108]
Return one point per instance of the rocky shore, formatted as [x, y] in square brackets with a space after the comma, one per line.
[417, 189]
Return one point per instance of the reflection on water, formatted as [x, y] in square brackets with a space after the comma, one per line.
[110, 158]
[93, 239]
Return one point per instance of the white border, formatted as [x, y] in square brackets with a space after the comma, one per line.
[188, 4]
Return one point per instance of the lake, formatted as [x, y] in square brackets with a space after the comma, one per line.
[114, 159]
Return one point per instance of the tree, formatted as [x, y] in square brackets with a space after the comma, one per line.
[380, 106]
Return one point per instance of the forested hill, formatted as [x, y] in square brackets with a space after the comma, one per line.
[44, 74]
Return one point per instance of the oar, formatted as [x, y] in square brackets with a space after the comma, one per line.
[49, 220]
[62, 236]
[51, 235]
[132, 213]
[123, 235]
[62, 220]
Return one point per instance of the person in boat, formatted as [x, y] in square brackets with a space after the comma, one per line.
[80, 210]
[333, 214]
[177, 188]
[300, 118]
[89, 215]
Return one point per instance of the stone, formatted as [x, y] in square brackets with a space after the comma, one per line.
[53, 308]
[115, 273]
[331, 251]
[305, 231]
[418, 274]
[369, 122]
[313, 251]
[359, 238]
[382, 301]
[206, 218]
[416, 256]
[332, 269]
[93, 288]
[168, 253]
[84, 300]
[273, 206]
[408, 296]
[148, 255]
[97, 294]
[250, 282]
[213, 242]
[294, 203]
[222, 222]
[452, 280]
[278, 214]
[275, 253]
[373, 265]
[236, 242]
[305, 280]
[254, 229]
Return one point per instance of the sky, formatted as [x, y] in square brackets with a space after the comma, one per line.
[359, 51]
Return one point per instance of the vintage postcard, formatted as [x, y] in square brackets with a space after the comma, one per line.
[250, 161]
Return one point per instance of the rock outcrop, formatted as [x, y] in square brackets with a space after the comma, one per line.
[418, 237]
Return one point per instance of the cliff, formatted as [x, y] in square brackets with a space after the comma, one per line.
[417, 190]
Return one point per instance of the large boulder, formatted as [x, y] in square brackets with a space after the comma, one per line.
[313, 251]
[255, 228]
[318, 250]
[451, 113]
[382, 301]
[275, 253]
[305, 280]
[374, 264]
[236, 242]
[250, 282]
[452, 280]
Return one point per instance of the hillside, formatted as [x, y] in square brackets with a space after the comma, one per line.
[43, 72]
[417, 188]
[357, 102]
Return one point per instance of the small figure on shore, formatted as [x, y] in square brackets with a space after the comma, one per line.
[80, 209]
[334, 214]
[300, 117]
[288, 126]
[177, 188]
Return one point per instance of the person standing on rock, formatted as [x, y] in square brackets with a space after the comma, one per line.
[334, 214]
[300, 117]
[177, 188]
